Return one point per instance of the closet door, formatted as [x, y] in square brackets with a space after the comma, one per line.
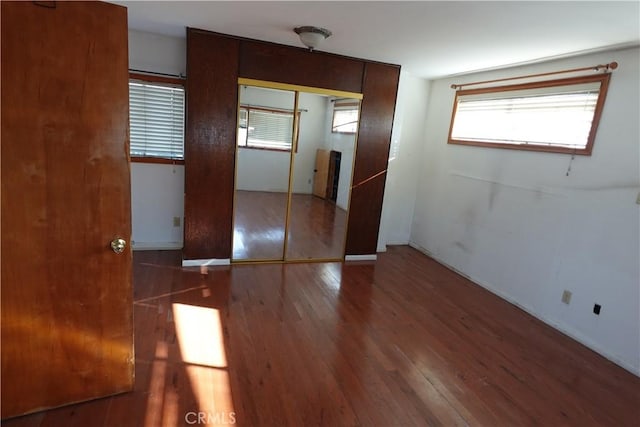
[67, 327]
[263, 164]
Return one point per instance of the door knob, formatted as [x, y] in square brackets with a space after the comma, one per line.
[118, 244]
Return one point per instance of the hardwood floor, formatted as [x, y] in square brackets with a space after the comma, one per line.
[316, 228]
[399, 342]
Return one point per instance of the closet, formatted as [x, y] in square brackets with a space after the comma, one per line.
[216, 63]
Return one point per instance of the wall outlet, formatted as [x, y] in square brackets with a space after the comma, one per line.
[176, 221]
[596, 309]
[566, 297]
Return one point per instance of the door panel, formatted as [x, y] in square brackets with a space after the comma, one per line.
[321, 173]
[262, 173]
[67, 330]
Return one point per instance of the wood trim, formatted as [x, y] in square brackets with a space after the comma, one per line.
[157, 79]
[296, 118]
[140, 159]
[245, 147]
[298, 88]
[605, 67]
[602, 78]
[535, 85]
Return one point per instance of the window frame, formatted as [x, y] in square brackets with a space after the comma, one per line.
[295, 131]
[603, 78]
[345, 106]
[150, 78]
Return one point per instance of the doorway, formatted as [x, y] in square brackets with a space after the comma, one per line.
[294, 166]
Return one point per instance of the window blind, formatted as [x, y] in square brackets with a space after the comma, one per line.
[156, 120]
[269, 129]
[562, 118]
[345, 116]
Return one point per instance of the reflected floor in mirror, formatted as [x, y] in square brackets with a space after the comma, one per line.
[402, 341]
[316, 227]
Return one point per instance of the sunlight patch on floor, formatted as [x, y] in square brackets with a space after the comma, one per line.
[200, 337]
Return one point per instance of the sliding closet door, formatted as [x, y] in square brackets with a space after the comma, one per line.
[265, 138]
[321, 181]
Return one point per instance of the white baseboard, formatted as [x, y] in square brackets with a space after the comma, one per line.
[205, 262]
[562, 328]
[371, 257]
[156, 246]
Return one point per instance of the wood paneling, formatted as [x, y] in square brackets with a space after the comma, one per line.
[67, 326]
[380, 87]
[210, 140]
[400, 342]
[285, 64]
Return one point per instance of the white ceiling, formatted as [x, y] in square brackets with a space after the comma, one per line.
[428, 38]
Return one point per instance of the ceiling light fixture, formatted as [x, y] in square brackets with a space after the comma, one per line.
[311, 36]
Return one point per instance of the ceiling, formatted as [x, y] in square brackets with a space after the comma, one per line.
[430, 39]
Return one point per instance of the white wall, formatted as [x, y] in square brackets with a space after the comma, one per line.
[514, 222]
[405, 153]
[312, 137]
[157, 196]
[266, 170]
[157, 190]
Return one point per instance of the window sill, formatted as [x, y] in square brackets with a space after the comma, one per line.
[522, 147]
[278, 150]
[160, 160]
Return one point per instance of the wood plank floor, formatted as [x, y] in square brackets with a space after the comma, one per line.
[316, 228]
[399, 342]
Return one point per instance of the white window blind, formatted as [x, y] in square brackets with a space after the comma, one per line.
[559, 116]
[156, 120]
[261, 128]
[345, 116]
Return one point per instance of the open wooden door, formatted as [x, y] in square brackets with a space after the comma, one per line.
[321, 173]
[67, 325]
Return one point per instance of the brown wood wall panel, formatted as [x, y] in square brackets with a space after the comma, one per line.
[284, 64]
[212, 97]
[380, 86]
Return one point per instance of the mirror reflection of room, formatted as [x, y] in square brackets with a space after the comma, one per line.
[265, 137]
[321, 168]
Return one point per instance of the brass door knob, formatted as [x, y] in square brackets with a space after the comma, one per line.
[118, 245]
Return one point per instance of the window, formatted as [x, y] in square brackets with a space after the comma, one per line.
[265, 128]
[345, 116]
[557, 116]
[156, 120]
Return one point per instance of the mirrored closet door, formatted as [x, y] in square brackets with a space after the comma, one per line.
[294, 167]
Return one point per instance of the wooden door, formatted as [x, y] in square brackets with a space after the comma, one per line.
[321, 173]
[67, 326]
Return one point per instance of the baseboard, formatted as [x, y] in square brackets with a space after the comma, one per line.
[156, 246]
[371, 257]
[570, 333]
[205, 262]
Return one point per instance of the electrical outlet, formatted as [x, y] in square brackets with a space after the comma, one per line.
[596, 309]
[566, 297]
[176, 221]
